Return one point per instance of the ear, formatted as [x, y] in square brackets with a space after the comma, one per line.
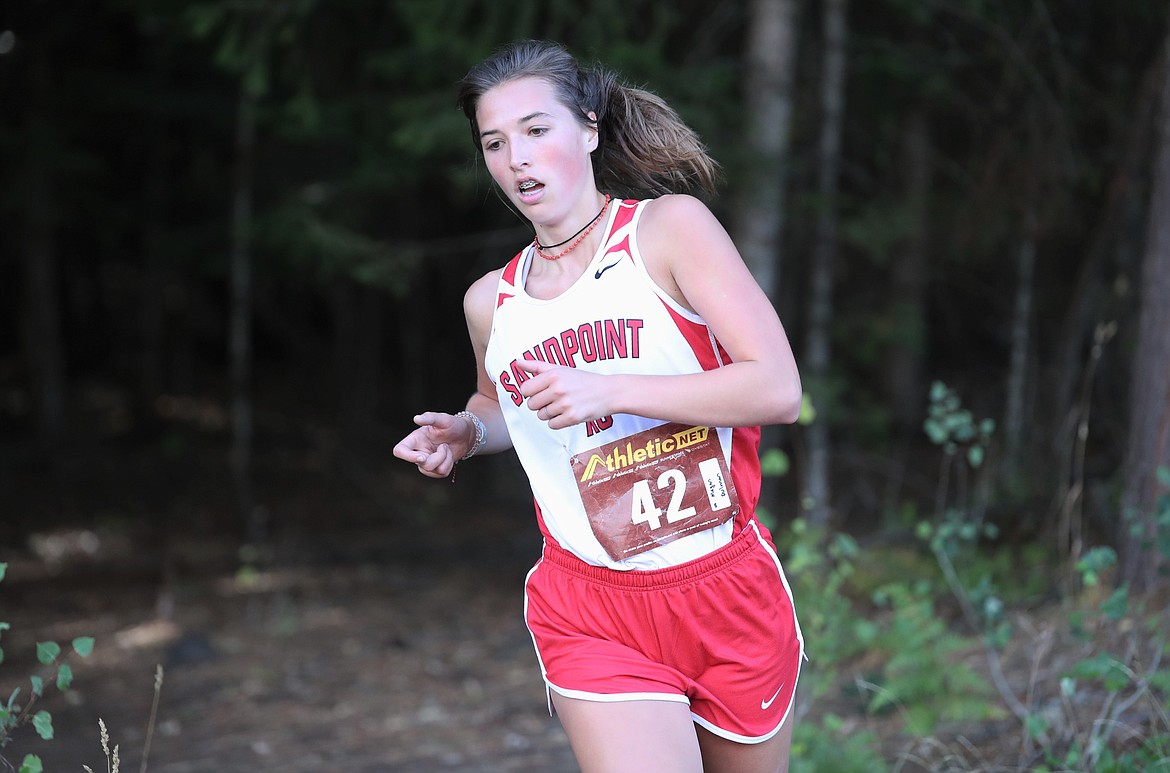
[593, 140]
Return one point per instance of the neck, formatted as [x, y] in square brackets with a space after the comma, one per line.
[554, 250]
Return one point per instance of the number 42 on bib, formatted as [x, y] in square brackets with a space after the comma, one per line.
[654, 487]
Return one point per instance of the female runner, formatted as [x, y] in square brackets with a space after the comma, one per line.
[629, 358]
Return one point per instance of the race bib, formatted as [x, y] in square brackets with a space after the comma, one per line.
[651, 488]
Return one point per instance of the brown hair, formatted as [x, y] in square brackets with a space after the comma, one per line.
[644, 148]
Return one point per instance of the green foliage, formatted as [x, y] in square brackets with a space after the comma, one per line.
[1154, 533]
[920, 671]
[819, 568]
[47, 652]
[808, 412]
[13, 714]
[1094, 562]
[248, 34]
[774, 463]
[326, 249]
[924, 674]
[1105, 668]
[829, 745]
[1103, 677]
[954, 428]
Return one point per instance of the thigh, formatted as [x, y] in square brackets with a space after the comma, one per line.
[638, 736]
[723, 756]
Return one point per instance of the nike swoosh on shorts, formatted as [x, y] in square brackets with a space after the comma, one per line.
[765, 704]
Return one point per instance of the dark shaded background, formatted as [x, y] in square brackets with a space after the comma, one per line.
[122, 165]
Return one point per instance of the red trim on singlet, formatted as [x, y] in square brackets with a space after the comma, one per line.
[745, 468]
[745, 441]
[622, 246]
[511, 269]
[510, 278]
[698, 337]
[625, 213]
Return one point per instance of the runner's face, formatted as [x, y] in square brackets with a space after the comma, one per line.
[536, 151]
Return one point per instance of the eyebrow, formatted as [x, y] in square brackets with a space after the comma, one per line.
[525, 119]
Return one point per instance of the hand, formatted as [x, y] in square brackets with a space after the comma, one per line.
[429, 446]
[562, 396]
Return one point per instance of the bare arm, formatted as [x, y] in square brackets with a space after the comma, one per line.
[479, 305]
[442, 439]
[690, 255]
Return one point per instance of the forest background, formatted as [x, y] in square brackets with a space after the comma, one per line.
[234, 239]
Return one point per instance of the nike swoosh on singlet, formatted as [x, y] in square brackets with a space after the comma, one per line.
[765, 704]
[603, 269]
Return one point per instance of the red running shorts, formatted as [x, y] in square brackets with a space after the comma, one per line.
[719, 633]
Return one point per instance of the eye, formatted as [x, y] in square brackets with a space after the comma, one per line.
[538, 131]
[492, 145]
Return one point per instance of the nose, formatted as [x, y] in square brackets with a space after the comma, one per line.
[518, 158]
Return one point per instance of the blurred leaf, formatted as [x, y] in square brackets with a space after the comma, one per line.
[31, 764]
[975, 455]
[47, 652]
[1036, 726]
[203, 18]
[38, 685]
[1112, 673]
[999, 637]
[43, 723]
[83, 645]
[808, 413]
[64, 677]
[1117, 605]
[1094, 562]
[774, 463]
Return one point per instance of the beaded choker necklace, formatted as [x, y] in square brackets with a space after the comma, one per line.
[576, 238]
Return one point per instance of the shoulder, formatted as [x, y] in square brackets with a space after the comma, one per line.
[679, 235]
[674, 210]
[481, 294]
[678, 224]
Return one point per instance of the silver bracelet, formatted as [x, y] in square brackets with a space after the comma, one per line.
[480, 433]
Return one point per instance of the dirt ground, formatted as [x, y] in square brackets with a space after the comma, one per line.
[365, 668]
[339, 668]
[382, 631]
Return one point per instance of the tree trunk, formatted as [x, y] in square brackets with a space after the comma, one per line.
[1021, 338]
[43, 342]
[817, 346]
[771, 50]
[759, 224]
[240, 327]
[905, 384]
[1109, 251]
[152, 286]
[1149, 427]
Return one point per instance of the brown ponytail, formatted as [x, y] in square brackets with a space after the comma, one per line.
[644, 147]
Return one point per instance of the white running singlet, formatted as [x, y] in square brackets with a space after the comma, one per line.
[622, 491]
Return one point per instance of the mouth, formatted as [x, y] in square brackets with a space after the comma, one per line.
[529, 189]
